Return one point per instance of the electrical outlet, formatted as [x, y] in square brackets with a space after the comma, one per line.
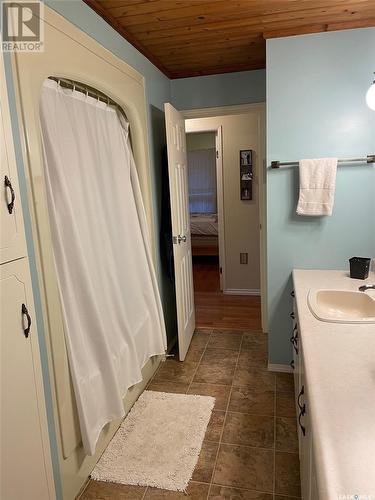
[244, 258]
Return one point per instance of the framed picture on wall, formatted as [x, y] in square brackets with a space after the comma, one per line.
[245, 156]
[246, 174]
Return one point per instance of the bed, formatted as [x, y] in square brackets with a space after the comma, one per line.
[204, 234]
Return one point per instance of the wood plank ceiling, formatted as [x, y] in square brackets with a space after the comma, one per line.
[202, 37]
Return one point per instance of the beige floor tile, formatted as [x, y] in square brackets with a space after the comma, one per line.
[168, 386]
[194, 354]
[215, 373]
[206, 462]
[212, 355]
[100, 490]
[195, 491]
[286, 434]
[246, 400]
[287, 480]
[246, 374]
[200, 339]
[215, 426]
[283, 497]
[285, 382]
[285, 404]
[176, 371]
[224, 493]
[243, 467]
[254, 341]
[256, 358]
[250, 430]
[219, 392]
[225, 340]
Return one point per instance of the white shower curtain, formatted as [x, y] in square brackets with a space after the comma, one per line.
[112, 312]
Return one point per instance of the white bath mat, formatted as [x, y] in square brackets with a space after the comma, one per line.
[159, 442]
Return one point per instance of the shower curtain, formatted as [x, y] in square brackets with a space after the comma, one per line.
[113, 319]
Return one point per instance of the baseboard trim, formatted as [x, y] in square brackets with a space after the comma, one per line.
[274, 367]
[241, 291]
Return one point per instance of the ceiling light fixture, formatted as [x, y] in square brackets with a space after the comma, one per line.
[370, 96]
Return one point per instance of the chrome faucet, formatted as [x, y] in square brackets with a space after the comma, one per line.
[363, 288]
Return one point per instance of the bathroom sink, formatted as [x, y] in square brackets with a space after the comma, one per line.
[342, 306]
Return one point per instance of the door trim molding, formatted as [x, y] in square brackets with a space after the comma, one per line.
[222, 110]
[218, 131]
[260, 108]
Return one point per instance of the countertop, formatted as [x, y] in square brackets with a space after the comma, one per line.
[340, 378]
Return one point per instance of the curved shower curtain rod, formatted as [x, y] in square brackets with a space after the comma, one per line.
[89, 91]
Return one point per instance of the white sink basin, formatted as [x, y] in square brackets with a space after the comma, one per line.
[341, 306]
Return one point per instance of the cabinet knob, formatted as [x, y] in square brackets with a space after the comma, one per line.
[294, 339]
[292, 294]
[292, 364]
[301, 393]
[25, 312]
[301, 414]
[8, 185]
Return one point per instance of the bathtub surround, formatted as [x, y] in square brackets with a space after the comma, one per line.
[159, 442]
[316, 87]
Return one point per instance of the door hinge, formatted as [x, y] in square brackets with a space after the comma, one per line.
[221, 270]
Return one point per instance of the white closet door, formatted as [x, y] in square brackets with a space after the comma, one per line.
[12, 239]
[23, 462]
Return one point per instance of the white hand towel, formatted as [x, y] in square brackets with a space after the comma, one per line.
[317, 182]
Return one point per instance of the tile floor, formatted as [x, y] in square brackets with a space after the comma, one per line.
[251, 450]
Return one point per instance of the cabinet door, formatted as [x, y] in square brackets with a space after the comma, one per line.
[25, 467]
[295, 341]
[304, 434]
[314, 495]
[12, 240]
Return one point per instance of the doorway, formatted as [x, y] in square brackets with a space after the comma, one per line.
[204, 162]
[235, 302]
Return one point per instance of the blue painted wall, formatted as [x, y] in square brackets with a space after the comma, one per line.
[316, 87]
[244, 87]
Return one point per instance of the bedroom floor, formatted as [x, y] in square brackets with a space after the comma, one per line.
[215, 309]
[250, 451]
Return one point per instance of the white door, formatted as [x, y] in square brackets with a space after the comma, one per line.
[24, 467]
[178, 186]
[12, 240]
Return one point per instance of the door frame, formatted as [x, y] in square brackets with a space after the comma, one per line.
[259, 107]
[218, 131]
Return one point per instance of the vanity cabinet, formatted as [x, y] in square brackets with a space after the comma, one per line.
[305, 438]
[25, 461]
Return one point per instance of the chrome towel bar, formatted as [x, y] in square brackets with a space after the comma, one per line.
[366, 159]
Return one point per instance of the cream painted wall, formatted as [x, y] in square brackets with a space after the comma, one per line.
[204, 140]
[241, 218]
